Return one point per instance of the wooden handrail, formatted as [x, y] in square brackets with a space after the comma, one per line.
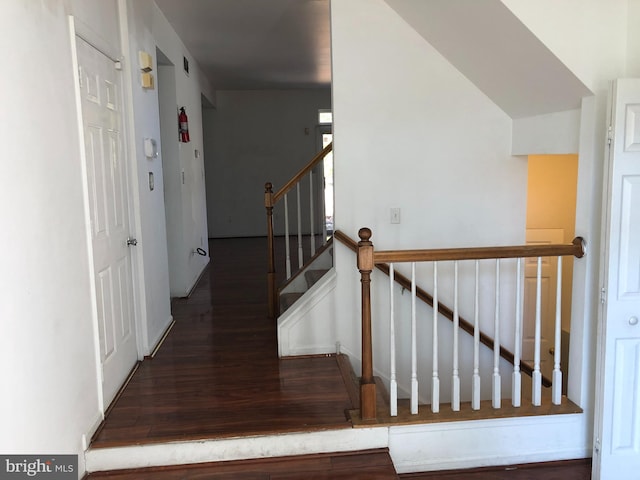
[443, 309]
[270, 199]
[576, 248]
[367, 260]
[298, 176]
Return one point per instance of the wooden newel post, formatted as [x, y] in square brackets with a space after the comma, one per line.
[367, 382]
[271, 263]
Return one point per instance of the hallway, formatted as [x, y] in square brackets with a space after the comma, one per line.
[217, 373]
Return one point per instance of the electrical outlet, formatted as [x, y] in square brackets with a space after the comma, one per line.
[395, 215]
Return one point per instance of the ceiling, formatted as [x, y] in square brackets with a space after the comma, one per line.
[256, 44]
[262, 44]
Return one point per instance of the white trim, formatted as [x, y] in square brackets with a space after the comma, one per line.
[135, 220]
[297, 313]
[219, 450]
[87, 214]
[480, 443]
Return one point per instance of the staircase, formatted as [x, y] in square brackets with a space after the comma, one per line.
[307, 277]
[311, 222]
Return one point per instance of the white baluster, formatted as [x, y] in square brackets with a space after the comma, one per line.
[516, 383]
[287, 248]
[393, 384]
[300, 256]
[536, 377]
[435, 380]
[496, 393]
[312, 219]
[414, 347]
[475, 400]
[324, 209]
[556, 391]
[455, 381]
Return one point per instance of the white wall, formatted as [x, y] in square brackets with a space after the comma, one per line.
[554, 133]
[257, 136]
[47, 350]
[184, 263]
[411, 132]
[148, 28]
[47, 357]
[595, 40]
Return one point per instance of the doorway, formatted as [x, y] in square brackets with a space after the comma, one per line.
[171, 171]
[551, 216]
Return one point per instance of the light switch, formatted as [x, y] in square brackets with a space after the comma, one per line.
[395, 215]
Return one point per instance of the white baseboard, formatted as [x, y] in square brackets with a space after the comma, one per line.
[481, 443]
[179, 453]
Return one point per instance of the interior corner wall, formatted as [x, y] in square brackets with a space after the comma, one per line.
[149, 29]
[187, 265]
[257, 136]
[411, 132]
[552, 134]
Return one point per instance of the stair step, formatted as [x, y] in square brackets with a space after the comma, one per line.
[288, 299]
[370, 464]
[312, 276]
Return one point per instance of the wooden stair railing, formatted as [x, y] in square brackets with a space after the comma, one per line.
[443, 309]
[368, 258]
[270, 201]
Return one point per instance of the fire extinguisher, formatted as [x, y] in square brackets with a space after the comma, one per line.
[183, 126]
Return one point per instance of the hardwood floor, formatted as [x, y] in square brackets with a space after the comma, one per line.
[218, 375]
[567, 470]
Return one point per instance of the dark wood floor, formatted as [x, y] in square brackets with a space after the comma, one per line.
[217, 375]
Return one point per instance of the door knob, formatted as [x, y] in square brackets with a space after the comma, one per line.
[633, 321]
[132, 242]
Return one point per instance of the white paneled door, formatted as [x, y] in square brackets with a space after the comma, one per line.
[617, 416]
[106, 167]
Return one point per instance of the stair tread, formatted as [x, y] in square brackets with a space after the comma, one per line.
[313, 276]
[288, 299]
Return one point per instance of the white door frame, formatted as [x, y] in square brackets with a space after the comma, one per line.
[77, 29]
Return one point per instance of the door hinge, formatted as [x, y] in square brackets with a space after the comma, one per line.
[603, 295]
[609, 134]
[80, 76]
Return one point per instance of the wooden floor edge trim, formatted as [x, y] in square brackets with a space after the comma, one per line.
[349, 378]
[501, 468]
[227, 463]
